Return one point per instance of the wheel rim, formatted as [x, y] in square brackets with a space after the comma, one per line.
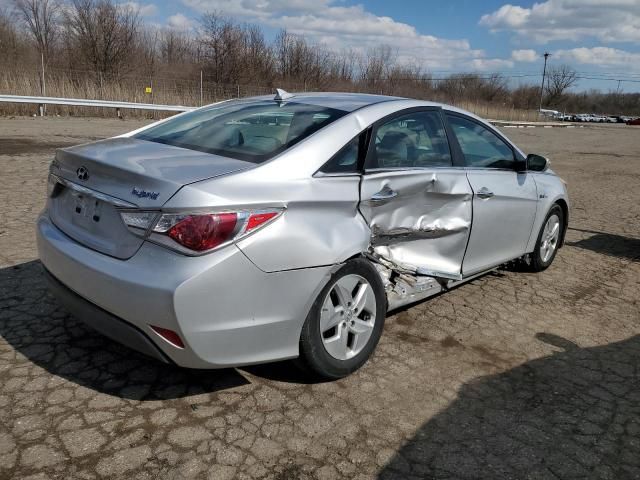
[550, 236]
[347, 317]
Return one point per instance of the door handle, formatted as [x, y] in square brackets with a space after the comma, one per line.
[384, 195]
[484, 193]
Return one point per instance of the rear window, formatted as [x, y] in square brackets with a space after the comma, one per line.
[253, 132]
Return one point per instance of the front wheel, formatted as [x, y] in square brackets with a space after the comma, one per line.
[345, 322]
[548, 240]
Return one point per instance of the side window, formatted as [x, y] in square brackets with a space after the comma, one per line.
[480, 146]
[414, 140]
[346, 160]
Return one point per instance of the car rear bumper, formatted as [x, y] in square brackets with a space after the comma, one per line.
[226, 310]
[102, 321]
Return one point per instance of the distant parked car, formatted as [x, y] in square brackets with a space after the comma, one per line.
[586, 117]
[635, 121]
[611, 120]
[265, 229]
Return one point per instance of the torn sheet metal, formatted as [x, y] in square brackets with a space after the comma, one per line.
[425, 224]
[403, 286]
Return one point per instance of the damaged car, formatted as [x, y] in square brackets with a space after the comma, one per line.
[274, 228]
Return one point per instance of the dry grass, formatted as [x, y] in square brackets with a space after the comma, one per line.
[176, 92]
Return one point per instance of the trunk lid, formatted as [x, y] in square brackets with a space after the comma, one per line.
[101, 177]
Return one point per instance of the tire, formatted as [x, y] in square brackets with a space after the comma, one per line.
[340, 332]
[542, 256]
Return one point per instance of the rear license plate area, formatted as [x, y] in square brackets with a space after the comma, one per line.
[86, 209]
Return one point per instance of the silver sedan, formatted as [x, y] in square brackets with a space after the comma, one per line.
[268, 228]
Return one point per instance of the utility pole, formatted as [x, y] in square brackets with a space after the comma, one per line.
[544, 73]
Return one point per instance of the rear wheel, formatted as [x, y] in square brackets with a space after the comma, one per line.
[345, 322]
[548, 240]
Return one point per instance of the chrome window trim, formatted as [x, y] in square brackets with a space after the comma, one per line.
[412, 169]
[319, 174]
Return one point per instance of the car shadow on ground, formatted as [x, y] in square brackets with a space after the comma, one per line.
[608, 244]
[574, 414]
[35, 326]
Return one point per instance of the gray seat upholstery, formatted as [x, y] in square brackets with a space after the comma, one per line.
[393, 150]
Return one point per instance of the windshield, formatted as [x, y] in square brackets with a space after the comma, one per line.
[253, 132]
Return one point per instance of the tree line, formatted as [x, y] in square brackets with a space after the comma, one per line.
[110, 41]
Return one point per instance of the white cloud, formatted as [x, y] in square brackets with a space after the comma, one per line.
[491, 64]
[145, 10]
[606, 20]
[600, 56]
[527, 55]
[338, 26]
[179, 22]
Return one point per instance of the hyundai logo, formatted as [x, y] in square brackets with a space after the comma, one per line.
[82, 173]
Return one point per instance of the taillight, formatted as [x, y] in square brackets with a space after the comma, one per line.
[204, 232]
[198, 233]
[257, 219]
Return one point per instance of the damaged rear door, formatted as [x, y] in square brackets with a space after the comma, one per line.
[414, 196]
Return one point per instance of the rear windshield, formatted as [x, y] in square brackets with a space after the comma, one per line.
[253, 132]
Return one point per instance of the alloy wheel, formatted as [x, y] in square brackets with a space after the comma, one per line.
[549, 240]
[347, 317]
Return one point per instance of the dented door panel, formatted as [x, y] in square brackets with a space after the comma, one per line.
[424, 224]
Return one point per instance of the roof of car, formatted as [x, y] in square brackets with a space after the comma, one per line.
[339, 100]
[344, 101]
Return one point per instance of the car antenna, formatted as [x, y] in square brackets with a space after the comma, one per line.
[282, 95]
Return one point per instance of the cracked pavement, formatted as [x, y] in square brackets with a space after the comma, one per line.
[514, 375]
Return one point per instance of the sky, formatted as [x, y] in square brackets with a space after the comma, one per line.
[600, 39]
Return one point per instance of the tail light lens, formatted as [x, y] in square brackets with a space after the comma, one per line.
[197, 233]
[141, 220]
[204, 232]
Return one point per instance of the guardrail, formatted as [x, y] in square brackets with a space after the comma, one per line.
[79, 102]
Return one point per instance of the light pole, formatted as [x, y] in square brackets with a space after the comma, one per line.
[544, 72]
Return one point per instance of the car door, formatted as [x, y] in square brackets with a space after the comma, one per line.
[415, 198]
[504, 200]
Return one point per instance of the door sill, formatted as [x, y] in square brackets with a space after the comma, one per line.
[434, 273]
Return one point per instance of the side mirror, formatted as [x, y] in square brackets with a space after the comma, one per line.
[537, 163]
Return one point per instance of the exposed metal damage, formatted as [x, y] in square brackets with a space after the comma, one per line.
[403, 283]
[438, 229]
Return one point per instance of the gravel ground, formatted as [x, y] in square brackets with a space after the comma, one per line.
[513, 375]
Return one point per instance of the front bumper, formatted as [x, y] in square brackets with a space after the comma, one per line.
[226, 310]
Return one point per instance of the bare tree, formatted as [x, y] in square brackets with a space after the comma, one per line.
[375, 66]
[176, 48]
[41, 19]
[221, 40]
[559, 80]
[147, 50]
[102, 34]
[12, 46]
[258, 60]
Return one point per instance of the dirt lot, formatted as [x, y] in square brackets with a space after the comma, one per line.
[511, 376]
